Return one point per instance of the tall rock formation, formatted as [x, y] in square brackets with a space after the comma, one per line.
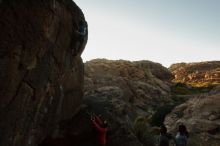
[200, 113]
[122, 91]
[41, 68]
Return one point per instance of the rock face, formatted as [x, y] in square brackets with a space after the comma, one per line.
[198, 74]
[141, 83]
[41, 78]
[201, 115]
[122, 91]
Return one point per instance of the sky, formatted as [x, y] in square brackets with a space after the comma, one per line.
[163, 31]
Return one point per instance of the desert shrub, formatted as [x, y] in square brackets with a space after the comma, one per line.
[183, 89]
[194, 141]
[141, 130]
[159, 116]
[178, 99]
[179, 114]
[215, 83]
[180, 88]
[191, 88]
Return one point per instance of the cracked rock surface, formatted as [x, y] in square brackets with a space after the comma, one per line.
[41, 79]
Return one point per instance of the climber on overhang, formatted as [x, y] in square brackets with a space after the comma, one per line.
[82, 28]
[82, 36]
[101, 127]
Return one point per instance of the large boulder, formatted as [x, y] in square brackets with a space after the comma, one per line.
[41, 68]
[142, 83]
[123, 91]
[201, 115]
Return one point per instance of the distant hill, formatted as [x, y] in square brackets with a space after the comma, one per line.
[197, 74]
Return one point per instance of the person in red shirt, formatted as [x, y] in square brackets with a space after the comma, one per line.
[101, 127]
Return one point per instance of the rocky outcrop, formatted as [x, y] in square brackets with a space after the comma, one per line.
[197, 74]
[141, 83]
[122, 91]
[41, 69]
[201, 115]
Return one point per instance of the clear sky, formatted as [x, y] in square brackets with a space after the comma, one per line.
[164, 31]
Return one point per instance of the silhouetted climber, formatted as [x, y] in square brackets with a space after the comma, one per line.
[101, 127]
[181, 137]
[82, 36]
[163, 139]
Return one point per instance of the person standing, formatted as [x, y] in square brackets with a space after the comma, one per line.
[163, 139]
[181, 137]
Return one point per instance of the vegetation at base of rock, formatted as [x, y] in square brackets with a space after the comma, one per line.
[142, 92]
[198, 74]
[200, 113]
[142, 131]
[160, 114]
[187, 89]
[195, 140]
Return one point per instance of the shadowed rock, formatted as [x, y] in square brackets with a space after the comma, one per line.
[122, 91]
[201, 115]
[41, 80]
